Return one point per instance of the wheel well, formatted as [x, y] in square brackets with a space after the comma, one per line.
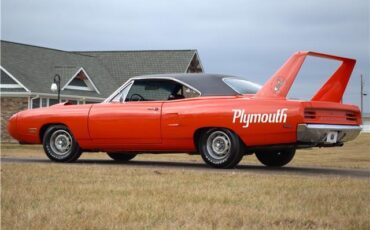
[197, 135]
[45, 127]
[200, 131]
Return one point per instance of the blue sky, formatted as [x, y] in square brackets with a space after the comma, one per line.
[249, 38]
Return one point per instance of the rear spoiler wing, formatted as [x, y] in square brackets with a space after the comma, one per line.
[280, 83]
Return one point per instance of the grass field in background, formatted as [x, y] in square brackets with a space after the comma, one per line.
[95, 196]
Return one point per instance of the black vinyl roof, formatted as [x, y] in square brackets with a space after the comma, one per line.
[207, 84]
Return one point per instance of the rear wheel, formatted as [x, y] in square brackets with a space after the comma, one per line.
[60, 145]
[276, 158]
[122, 157]
[220, 148]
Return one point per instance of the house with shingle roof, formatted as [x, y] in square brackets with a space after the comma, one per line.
[27, 73]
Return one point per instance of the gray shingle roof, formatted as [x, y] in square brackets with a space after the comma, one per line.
[125, 64]
[36, 66]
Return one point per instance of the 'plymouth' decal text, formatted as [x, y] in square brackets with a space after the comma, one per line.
[240, 116]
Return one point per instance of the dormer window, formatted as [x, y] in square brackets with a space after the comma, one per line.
[9, 83]
[81, 81]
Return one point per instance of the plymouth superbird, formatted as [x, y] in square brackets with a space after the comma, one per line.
[220, 117]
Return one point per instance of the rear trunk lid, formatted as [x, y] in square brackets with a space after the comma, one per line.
[316, 112]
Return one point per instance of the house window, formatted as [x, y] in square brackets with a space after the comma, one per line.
[53, 101]
[35, 103]
[44, 102]
[73, 102]
[81, 81]
[91, 102]
[78, 81]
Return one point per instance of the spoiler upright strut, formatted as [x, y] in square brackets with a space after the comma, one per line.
[280, 83]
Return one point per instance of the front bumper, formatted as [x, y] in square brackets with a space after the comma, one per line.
[316, 134]
[13, 126]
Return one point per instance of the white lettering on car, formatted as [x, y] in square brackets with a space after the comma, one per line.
[280, 116]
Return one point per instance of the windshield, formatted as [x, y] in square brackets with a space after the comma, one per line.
[242, 86]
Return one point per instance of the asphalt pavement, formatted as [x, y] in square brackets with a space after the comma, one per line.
[175, 165]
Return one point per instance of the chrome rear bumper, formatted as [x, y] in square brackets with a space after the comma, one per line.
[317, 133]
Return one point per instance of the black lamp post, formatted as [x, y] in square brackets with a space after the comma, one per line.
[56, 86]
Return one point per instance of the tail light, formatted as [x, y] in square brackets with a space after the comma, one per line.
[309, 114]
[331, 116]
[350, 116]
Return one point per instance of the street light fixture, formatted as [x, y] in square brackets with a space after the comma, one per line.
[55, 86]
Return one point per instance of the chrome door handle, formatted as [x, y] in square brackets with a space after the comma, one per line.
[153, 108]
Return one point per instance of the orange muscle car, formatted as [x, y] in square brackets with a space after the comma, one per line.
[220, 117]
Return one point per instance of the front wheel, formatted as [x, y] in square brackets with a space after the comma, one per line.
[60, 145]
[276, 158]
[121, 157]
[221, 148]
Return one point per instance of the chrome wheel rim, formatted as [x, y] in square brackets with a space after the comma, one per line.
[61, 142]
[218, 145]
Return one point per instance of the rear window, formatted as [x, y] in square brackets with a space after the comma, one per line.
[242, 86]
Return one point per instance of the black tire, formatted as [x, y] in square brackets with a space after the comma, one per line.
[276, 158]
[60, 145]
[220, 148]
[121, 157]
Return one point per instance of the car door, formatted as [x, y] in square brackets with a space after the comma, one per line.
[126, 123]
[133, 116]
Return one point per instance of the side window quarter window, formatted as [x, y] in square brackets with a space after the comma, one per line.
[189, 93]
[183, 92]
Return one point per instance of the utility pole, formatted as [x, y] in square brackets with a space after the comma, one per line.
[362, 94]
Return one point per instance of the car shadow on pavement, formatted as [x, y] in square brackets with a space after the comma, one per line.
[302, 170]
